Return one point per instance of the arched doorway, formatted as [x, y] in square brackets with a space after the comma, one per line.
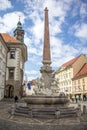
[9, 91]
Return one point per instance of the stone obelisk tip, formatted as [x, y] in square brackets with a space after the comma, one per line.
[46, 9]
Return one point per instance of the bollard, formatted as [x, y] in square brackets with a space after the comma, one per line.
[12, 110]
[84, 109]
[79, 106]
[57, 113]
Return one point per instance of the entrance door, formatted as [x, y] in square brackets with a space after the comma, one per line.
[9, 91]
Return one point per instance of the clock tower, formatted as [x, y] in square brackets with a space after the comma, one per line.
[19, 32]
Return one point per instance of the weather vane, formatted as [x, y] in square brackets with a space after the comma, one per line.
[19, 17]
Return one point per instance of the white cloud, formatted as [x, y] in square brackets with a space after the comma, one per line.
[31, 77]
[31, 72]
[84, 50]
[56, 8]
[35, 50]
[37, 31]
[10, 20]
[82, 31]
[5, 4]
[35, 11]
[55, 27]
[83, 9]
[27, 40]
[63, 53]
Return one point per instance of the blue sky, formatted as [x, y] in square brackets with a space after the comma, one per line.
[67, 23]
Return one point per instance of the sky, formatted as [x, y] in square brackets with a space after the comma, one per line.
[67, 24]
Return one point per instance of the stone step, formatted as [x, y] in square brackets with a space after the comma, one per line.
[21, 114]
[44, 108]
[65, 113]
[22, 108]
[68, 111]
[22, 111]
[68, 115]
[43, 116]
[45, 112]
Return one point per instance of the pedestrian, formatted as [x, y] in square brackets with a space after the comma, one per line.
[76, 99]
[16, 98]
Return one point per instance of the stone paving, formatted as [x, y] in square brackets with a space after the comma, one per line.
[8, 122]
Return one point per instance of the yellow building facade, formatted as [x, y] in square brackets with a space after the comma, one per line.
[66, 73]
[79, 84]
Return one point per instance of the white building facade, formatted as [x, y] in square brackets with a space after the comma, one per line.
[15, 59]
[65, 80]
[3, 54]
[67, 71]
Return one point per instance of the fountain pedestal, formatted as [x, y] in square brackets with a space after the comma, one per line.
[46, 107]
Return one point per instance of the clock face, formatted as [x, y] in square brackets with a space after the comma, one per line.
[19, 37]
[20, 33]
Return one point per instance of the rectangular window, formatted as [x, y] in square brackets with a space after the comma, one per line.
[11, 73]
[0, 48]
[79, 88]
[69, 81]
[75, 82]
[75, 88]
[0, 64]
[83, 80]
[69, 75]
[78, 81]
[12, 54]
[83, 87]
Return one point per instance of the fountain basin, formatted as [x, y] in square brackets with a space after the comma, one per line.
[50, 100]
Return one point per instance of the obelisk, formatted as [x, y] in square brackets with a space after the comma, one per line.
[46, 69]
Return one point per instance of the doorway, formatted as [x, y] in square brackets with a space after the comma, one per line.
[9, 91]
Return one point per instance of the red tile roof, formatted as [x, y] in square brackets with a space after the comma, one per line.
[82, 71]
[70, 62]
[8, 39]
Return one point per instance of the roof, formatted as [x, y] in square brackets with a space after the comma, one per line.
[7, 38]
[70, 62]
[82, 71]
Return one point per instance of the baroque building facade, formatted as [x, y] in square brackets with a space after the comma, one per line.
[15, 59]
[79, 81]
[67, 71]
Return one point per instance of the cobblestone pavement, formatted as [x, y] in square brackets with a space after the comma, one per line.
[9, 125]
[8, 122]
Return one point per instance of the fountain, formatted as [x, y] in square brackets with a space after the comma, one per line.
[47, 102]
[46, 90]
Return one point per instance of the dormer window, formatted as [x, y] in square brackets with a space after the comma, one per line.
[12, 54]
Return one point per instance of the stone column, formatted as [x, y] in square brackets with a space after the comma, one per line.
[46, 69]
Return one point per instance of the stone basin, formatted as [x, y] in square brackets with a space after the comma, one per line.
[50, 100]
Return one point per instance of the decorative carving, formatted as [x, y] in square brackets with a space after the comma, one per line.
[40, 88]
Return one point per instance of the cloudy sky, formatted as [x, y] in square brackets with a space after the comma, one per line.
[67, 23]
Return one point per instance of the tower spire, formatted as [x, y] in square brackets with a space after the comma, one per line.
[46, 49]
[19, 32]
[19, 17]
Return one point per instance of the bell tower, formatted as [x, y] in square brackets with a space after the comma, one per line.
[19, 32]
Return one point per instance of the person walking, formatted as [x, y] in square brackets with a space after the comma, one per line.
[16, 98]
